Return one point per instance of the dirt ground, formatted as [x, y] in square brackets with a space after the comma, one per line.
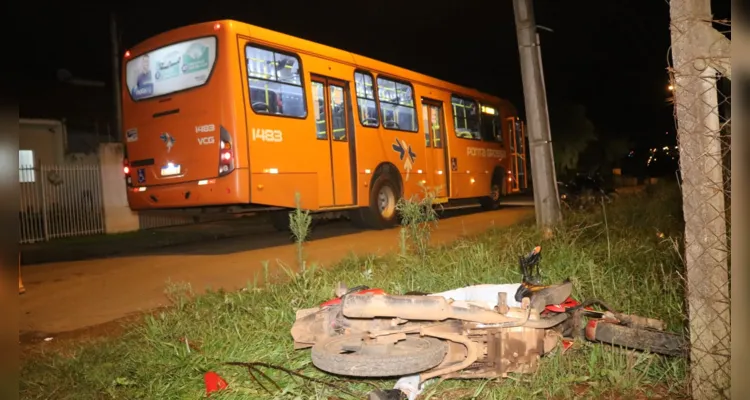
[72, 296]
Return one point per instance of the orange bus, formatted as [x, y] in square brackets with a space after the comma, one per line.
[229, 115]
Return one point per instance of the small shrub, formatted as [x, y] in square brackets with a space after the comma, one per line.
[418, 219]
[299, 223]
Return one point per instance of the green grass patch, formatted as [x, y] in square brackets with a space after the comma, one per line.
[628, 259]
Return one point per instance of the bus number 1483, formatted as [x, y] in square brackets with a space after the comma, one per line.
[267, 135]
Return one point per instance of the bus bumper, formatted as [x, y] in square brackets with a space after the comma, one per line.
[221, 191]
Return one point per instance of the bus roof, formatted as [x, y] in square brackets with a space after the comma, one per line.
[287, 42]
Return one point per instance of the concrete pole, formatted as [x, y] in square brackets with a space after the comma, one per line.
[116, 81]
[703, 196]
[546, 198]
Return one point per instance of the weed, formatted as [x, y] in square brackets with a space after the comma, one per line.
[299, 223]
[418, 219]
[621, 262]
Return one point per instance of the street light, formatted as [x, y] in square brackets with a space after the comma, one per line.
[671, 88]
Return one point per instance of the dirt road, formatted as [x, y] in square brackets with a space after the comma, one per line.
[73, 295]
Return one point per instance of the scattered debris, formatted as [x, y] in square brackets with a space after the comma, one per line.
[213, 382]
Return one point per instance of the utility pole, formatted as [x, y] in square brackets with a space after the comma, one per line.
[546, 198]
[699, 52]
[115, 45]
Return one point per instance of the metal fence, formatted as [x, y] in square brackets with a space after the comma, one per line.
[60, 201]
[701, 62]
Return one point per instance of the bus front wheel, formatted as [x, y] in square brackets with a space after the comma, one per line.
[381, 213]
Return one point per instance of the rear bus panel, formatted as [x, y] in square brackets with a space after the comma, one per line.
[174, 140]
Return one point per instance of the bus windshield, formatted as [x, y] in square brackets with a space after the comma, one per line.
[172, 68]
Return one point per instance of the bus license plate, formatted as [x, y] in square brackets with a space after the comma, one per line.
[172, 169]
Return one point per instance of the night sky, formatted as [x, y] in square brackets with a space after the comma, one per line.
[611, 56]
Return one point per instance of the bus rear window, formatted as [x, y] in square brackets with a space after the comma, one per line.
[172, 68]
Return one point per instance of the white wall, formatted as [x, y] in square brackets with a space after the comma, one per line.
[117, 214]
[46, 137]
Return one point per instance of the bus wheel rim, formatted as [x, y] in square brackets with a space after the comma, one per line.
[386, 202]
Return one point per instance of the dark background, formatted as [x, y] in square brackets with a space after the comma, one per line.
[609, 56]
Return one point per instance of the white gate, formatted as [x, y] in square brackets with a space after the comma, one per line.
[60, 201]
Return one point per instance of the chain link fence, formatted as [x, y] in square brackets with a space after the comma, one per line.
[699, 74]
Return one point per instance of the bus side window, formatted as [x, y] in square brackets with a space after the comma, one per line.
[397, 109]
[275, 83]
[318, 95]
[426, 125]
[368, 109]
[492, 129]
[465, 118]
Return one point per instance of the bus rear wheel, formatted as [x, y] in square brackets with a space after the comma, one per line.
[381, 213]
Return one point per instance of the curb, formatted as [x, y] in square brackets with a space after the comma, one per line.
[161, 238]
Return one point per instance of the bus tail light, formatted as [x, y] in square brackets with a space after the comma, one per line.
[226, 153]
[126, 172]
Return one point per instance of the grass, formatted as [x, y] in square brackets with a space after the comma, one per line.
[630, 262]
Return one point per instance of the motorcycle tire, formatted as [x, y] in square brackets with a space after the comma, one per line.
[654, 341]
[336, 355]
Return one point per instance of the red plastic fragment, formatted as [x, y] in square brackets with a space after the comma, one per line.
[213, 382]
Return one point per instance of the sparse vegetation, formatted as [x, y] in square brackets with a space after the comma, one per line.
[418, 219]
[299, 224]
[630, 262]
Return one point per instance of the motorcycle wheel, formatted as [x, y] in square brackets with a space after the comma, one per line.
[349, 355]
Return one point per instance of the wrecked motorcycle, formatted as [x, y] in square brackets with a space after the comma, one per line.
[473, 332]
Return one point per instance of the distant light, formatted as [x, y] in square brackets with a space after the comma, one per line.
[127, 54]
[670, 87]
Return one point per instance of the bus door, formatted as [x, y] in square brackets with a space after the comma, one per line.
[333, 126]
[434, 126]
[518, 154]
